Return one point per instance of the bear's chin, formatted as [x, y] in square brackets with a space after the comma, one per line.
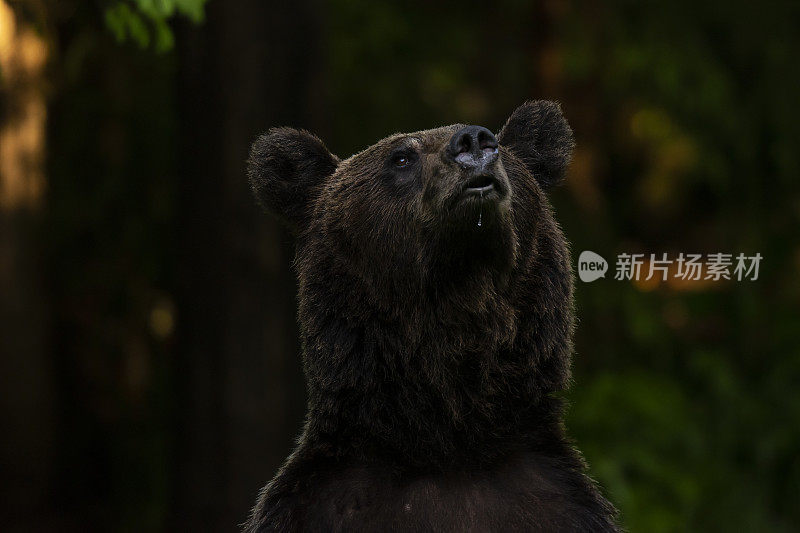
[473, 238]
[477, 222]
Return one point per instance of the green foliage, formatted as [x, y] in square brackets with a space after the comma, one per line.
[145, 21]
[684, 403]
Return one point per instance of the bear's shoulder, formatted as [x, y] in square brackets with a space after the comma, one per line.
[525, 493]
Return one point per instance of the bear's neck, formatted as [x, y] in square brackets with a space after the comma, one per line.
[430, 385]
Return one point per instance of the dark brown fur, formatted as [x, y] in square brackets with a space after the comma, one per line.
[432, 346]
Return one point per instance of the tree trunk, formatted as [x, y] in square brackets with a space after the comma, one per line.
[27, 407]
[240, 387]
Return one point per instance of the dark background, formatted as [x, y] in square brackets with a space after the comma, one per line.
[149, 369]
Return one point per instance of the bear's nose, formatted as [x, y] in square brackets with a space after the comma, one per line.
[473, 147]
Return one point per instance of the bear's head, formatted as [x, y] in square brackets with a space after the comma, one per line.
[435, 287]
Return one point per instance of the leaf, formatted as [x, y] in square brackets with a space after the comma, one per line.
[163, 36]
[115, 17]
[157, 9]
[132, 19]
[138, 30]
[193, 9]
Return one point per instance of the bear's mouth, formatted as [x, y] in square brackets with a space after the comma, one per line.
[480, 185]
[484, 188]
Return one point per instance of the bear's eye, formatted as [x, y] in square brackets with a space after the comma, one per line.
[402, 159]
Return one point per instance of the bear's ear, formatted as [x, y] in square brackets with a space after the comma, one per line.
[285, 168]
[538, 134]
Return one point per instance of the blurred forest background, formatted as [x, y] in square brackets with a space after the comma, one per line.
[149, 370]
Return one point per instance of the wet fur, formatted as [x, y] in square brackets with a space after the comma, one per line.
[432, 347]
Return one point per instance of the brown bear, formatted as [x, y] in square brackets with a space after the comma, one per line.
[436, 315]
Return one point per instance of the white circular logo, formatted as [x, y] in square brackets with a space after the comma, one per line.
[591, 266]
